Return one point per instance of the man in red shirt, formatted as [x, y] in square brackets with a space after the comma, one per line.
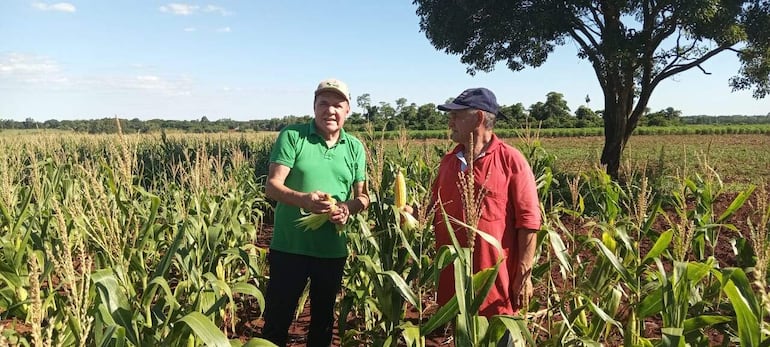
[510, 209]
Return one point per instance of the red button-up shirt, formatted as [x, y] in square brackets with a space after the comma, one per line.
[510, 203]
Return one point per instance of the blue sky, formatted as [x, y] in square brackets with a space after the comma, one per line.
[262, 59]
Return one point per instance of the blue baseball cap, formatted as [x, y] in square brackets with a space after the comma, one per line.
[476, 98]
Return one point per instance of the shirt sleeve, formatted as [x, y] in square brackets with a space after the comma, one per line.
[359, 174]
[523, 190]
[284, 150]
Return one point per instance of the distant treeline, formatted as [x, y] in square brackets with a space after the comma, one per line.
[551, 114]
[726, 120]
[108, 125]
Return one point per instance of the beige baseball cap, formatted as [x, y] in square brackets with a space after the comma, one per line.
[333, 85]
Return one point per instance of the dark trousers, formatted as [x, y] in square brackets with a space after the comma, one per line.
[288, 275]
[506, 340]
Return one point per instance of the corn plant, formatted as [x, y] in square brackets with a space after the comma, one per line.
[148, 240]
[97, 259]
[386, 268]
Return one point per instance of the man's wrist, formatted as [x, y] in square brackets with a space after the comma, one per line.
[355, 205]
[524, 271]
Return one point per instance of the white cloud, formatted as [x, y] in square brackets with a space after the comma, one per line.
[28, 71]
[217, 9]
[224, 30]
[59, 6]
[28, 68]
[17, 63]
[189, 29]
[228, 89]
[153, 83]
[182, 9]
[179, 9]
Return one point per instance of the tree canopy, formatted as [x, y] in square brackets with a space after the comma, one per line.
[632, 45]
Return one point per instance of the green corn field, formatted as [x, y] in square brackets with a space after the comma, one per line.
[155, 239]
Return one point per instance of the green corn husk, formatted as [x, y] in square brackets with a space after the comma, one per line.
[312, 221]
[408, 222]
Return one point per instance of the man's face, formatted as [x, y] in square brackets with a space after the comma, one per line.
[331, 110]
[462, 123]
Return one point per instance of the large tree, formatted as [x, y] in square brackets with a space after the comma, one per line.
[632, 45]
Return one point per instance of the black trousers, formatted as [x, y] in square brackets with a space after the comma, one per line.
[288, 275]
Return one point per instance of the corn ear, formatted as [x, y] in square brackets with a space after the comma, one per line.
[609, 240]
[408, 222]
[313, 221]
[399, 190]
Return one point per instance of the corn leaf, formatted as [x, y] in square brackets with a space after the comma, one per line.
[403, 288]
[442, 316]
[411, 334]
[405, 242]
[630, 281]
[249, 289]
[559, 250]
[672, 337]
[651, 304]
[660, 245]
[702, 321]
[451, 309]
[451, 232]
[748, 324]
[517, 327]
[736, 204]
[254, 342]
[114, 298]
[152, 288]
[482, 282]
[114, 336]
[205, 329]
[604, 316]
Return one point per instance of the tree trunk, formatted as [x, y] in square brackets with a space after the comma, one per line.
[617, 129]
[614, 131]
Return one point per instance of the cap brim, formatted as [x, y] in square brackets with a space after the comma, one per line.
[333, 90]
[452, 106]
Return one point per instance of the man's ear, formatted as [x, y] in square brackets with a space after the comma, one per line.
[479, 118]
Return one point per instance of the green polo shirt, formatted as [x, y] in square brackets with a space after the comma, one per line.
[315, 166]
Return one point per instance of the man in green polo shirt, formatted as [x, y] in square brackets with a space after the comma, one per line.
[309, 164]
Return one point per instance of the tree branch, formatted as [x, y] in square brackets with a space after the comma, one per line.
[668, 73]
[703, 70]
[580, 26]
[590, 50]
[596, 18]
[676, 57]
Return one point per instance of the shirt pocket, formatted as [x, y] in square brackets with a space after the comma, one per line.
[493, 206]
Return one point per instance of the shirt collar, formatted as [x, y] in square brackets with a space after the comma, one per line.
[494, 146]
[313, 130]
